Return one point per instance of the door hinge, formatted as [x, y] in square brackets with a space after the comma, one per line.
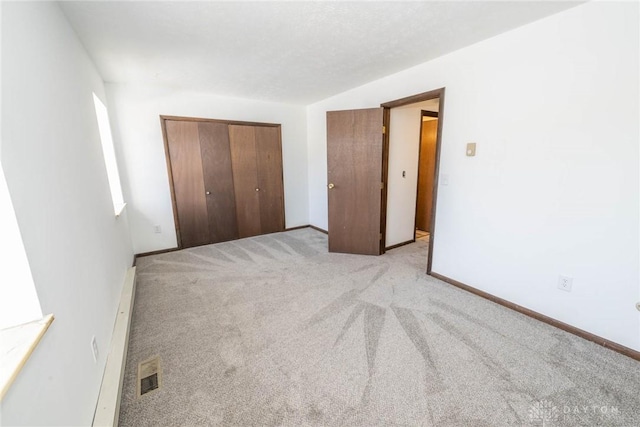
[382, 185]
[384, 129]
[380, 236]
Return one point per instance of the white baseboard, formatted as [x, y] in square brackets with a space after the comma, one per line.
[108, 407]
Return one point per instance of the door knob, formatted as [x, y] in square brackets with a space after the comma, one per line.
[330, 186]
[207, 192]
[257, 189]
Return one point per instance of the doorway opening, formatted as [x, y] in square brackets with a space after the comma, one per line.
[411, 160]
[363, 177]
[426, 168]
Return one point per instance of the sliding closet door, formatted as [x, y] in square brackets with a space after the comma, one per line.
[226, 180]
[218, 182]
[269, 167]
[242, 141]
[188, 184]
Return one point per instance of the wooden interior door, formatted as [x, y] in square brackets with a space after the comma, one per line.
[426, 172]
[354, 172]
[269, 169]
[188, 184]
[218, 181]
[242, 141]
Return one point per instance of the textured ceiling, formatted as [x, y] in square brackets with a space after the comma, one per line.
[294, 52]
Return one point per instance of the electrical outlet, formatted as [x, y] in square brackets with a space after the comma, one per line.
[157, 229]
[565, 283]
[94, 349]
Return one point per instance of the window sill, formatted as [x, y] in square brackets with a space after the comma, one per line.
[120, 208]
[16, 345]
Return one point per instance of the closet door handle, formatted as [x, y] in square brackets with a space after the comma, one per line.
[207, 192]
[330, 186]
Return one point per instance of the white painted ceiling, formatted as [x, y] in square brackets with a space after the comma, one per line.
[293, 52]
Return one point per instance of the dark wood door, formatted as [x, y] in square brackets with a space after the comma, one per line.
[256, 156]
[226, 179]
[218, 181]
[426, 172]
[354, 172]
[188, 183]
[242, 141]
[270, 186]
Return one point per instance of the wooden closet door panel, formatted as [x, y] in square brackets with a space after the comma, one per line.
[218, 181]
[242, 142]
[269, 160]
[188, 186]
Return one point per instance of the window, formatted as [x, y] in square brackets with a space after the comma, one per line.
[21, 322]
[109, 155]
[18, 298]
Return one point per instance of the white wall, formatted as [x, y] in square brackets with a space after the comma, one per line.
[138, 136]
[77, 250]
[553, 189]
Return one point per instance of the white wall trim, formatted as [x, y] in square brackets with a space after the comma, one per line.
[108, 406]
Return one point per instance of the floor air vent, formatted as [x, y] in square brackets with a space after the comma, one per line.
[149, 376]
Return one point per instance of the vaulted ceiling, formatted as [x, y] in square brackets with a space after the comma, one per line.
[293, 52]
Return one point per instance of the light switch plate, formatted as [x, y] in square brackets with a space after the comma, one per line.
[471, 149]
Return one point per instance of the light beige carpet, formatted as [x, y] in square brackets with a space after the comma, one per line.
[273, 330]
